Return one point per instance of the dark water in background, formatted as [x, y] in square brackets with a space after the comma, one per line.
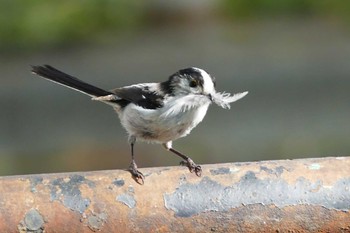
[297, 74]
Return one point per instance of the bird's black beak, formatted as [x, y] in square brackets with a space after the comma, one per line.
[210, 97]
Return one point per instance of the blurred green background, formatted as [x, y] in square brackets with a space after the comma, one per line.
[292, 56]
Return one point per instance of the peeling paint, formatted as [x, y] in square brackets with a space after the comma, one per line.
[182, 179]
[96, 221]
[119, 182]
[131, 189]
[32, 222]
[220, 171]
[127, 199]
[276, 171]
[69, 194]
[280, 169]
[34, 181]
[208, 195]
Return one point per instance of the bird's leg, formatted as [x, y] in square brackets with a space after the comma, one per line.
[138, 176]
[187, 161]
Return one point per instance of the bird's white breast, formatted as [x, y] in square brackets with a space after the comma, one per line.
[176, 119]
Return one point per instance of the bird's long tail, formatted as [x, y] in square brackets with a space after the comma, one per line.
[54, 75]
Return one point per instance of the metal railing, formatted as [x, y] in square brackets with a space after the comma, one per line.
[304, 195]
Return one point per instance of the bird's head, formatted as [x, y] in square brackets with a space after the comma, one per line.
[191, 81]
[198, 82]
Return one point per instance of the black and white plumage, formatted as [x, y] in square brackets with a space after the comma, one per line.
[155, 112]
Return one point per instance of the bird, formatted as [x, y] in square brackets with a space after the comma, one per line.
[157, 112]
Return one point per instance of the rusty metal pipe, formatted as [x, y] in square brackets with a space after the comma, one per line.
[305, 195]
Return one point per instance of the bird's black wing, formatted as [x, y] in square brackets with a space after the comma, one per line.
[139, 95]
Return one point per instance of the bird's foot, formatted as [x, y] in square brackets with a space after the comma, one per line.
[136, 174]
[192, 166]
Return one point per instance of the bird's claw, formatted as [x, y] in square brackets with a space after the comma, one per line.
[192, 166]
[136, 174]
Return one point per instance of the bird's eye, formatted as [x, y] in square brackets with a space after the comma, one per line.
[193, 83]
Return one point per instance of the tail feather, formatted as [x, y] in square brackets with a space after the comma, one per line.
[54, 75]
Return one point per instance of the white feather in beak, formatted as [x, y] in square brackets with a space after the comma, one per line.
[224, 99]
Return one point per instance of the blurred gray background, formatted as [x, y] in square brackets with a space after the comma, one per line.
[292, 56]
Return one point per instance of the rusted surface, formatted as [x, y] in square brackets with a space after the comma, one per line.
[306, 195]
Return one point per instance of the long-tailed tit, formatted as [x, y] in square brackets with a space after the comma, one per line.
[155, 112]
